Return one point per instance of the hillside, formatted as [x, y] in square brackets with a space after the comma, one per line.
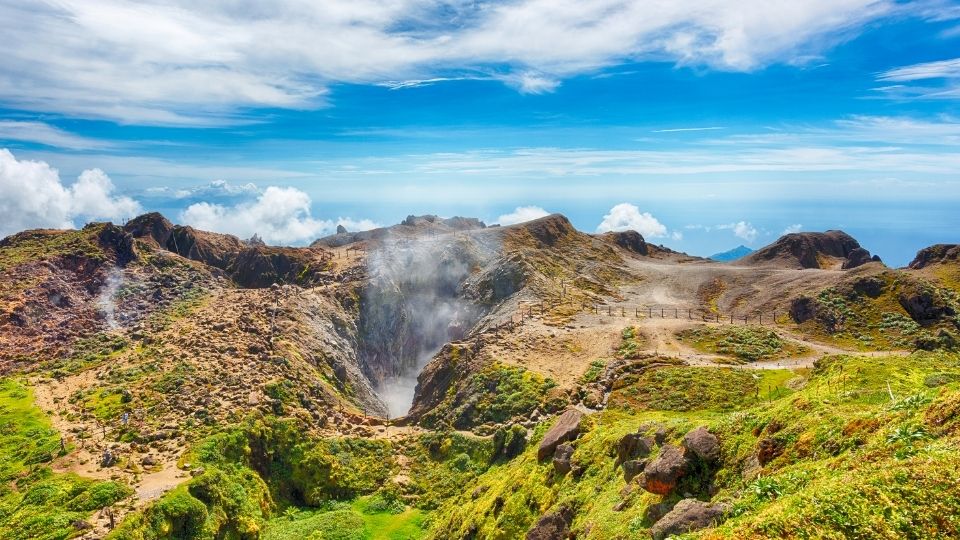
[443, 379]
[827, 251]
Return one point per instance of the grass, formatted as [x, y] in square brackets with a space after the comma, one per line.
[354, 520]
[746, 343]
[42, 245]
[36, 503]
[690, 389]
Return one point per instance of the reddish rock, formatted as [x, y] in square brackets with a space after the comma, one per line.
[661, 475]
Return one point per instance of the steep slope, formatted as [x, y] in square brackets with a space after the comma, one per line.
[828, 250]
[940, 262]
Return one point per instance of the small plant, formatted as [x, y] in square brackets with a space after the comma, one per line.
[907, 434]
[766, 488]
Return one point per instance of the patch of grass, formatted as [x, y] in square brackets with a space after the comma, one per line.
[504, 392]
[747, 343]
[632, 342]
[690, 389]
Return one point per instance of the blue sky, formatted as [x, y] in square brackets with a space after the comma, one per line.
[704, 125]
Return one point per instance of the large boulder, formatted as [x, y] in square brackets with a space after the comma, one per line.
[661, 475]
[688, 515]
[703, 444]
[633, 446]
[552, 526]
[566, 428]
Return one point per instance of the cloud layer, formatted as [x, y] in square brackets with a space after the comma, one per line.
[179, 62]
[33, 196]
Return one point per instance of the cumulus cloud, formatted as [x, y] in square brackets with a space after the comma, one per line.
[183, 62]
[279, 215]
[626, 216]
[521, 214]
[32, 196]
[795, 228]
[741, 229]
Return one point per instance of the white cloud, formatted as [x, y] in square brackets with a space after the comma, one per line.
[741, 229]
[280, 215]
[795, 228]
[676, 235]
[39, 132]
[213, 189]
[32, 196]
[626, 216]
[183, 62]
[521, 214]
[927, 70]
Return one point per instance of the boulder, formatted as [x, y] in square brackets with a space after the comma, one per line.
[561, 458]
[703, 444]
[688, 515]
[661, 475]
[633, 446]
[633, 467]
[856, 257]
[552, 526]
[566, 428]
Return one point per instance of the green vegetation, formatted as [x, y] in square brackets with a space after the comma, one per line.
[747, 343]
[631, 344]
[496, 393]
[689, 389]
[35, 503]
[43, 245]
[872, 314]
[847, 461]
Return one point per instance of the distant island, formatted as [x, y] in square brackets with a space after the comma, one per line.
[733, 254]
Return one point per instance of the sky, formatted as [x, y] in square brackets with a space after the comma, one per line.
[702, 124]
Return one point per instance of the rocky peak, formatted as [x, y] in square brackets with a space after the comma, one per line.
[936, 254]
[827, 250]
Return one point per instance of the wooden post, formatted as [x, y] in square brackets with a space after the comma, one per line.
[623, 311]
[731, 318]
[609, 310]
[661, 313]
[676, 313]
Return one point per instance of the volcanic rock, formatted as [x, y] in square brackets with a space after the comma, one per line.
[703, 444]
[633, 446]
[561, 458]
[552, 526]
[688, 515]
[566, 428]
[831, 249]
[661, 475]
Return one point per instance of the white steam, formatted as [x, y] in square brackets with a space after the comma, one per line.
[413, 307]
[106, 300]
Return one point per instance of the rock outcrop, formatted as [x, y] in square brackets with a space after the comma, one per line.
[688, 515]
[566, 428]
[936, 254]
[828, 250]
